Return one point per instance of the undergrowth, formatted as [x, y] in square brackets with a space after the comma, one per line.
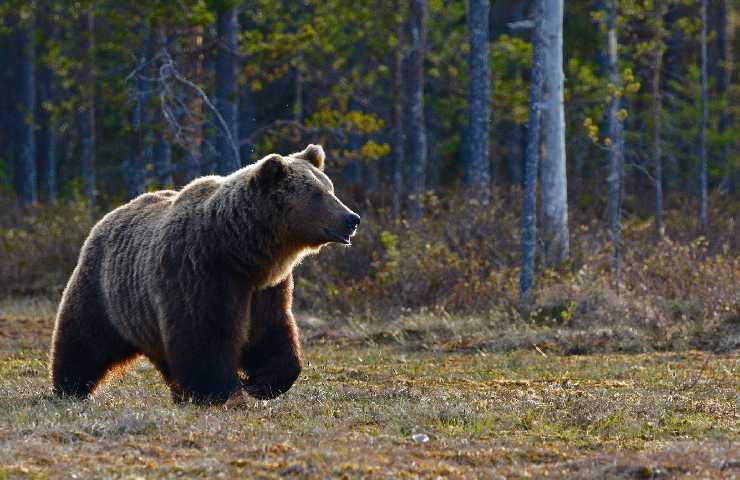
[462, 260]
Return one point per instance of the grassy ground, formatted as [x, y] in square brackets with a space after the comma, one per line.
[372, 406]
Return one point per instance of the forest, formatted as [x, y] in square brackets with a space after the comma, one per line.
[545, 279]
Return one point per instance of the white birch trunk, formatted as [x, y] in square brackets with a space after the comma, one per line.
[554, 180]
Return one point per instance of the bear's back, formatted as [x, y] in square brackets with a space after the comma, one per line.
[197, 192]
[136, 216]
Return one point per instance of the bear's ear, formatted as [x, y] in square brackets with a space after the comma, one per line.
[313, 154]
[273, 169]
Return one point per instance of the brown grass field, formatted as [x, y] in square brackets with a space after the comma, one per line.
[405, 403]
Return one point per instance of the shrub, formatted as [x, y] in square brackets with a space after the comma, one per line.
[463, 259]
[39, 245]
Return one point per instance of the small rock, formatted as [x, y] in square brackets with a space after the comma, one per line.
[420, 437]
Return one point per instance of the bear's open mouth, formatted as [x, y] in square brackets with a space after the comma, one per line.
[344, 239]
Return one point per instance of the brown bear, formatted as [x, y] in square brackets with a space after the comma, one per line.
[199, 281]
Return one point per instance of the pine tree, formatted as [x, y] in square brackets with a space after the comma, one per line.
[532, 158]
[478, 168]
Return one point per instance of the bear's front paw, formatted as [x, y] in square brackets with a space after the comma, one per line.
[266, 385]
[265, 391]
[271, 376]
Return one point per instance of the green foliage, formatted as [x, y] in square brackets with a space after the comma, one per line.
[510, 57]
[387, 268]
[350, 122]
[344, 52]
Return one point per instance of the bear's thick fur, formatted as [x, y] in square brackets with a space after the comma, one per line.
[199, 281]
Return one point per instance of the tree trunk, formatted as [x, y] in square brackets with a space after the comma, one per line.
[371, 177]
[7, 94]
[657, 116]
[194, 123]
[162, 153]
[298, 105]
[86, 110]
[247, 122]
[616, 149]
[531, 159]
[703, 202]
[673, 67]
[161, 148]
[192, 165]
[25, 156]
[47, 140]
[478, 167]
[227, 95]
[140, 123]
[210, 128]
[554, 182]
[724, 39]
[417, 130]
[398, 140]
[134, 167]
[431, 178]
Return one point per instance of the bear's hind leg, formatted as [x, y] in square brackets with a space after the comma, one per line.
[85, 348]
[178, 395]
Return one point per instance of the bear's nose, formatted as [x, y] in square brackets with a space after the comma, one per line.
[352, 221]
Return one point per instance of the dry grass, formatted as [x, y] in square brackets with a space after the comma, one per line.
[488, 411]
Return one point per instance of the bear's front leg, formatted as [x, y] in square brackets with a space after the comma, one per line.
[272, 358]
[203, 367]
[203, 377]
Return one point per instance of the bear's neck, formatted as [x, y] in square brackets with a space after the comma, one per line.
[250, 235]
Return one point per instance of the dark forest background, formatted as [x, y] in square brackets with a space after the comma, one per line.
[436, 117]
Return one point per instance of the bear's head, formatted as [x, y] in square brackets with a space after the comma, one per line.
[303, 196]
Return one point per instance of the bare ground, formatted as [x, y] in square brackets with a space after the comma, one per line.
[366, 407]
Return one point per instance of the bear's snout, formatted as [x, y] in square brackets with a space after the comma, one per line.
[344, 228]
[352, 221]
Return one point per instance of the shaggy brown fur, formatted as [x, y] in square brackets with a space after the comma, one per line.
[199, 281]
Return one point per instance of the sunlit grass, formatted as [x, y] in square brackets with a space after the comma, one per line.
[358, 410]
